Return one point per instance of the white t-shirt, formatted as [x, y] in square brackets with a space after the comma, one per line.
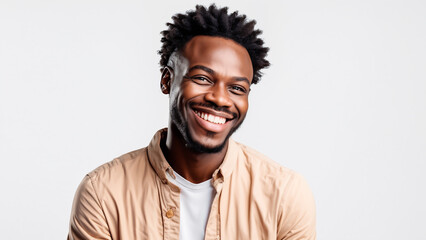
[195, 204]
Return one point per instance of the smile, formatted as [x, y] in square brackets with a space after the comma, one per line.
[210, 117]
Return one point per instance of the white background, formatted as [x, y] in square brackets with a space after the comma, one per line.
[343, 103]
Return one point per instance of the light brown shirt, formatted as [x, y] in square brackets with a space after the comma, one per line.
[131, 198]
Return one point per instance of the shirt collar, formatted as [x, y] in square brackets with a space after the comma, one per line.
[161, 166]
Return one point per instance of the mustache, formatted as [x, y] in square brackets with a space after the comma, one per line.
[214, 107]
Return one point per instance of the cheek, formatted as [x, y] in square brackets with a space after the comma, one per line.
[190, 91]
[185, 94]
[180, 94]
[242, 105]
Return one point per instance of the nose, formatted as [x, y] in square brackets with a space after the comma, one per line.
[219, 95]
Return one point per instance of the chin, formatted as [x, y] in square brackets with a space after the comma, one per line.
[199, 147]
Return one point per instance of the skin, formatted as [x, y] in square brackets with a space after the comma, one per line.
[210, 75]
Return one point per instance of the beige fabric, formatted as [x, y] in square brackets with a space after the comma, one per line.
[131, 198]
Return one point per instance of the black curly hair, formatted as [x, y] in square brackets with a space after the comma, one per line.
[214, 22]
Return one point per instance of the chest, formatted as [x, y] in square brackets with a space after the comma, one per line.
[153, 211]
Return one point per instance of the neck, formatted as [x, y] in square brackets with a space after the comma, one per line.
[193, 166]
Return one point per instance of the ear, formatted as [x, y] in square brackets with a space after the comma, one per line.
[166, 79]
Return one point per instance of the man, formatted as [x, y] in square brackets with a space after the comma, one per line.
[192, 181]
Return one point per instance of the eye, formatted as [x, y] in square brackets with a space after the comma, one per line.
[200, 79]
[239, 90]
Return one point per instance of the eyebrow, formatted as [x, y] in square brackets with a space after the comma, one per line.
[206, 69]
[211, 71]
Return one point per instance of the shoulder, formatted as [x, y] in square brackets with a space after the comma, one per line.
[126, 170]
[119, 165]
[99, 193]
[283, 188]
[268, 178]
[288, 186]
[259, 164]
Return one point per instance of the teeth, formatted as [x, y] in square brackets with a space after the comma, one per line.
[211, 118]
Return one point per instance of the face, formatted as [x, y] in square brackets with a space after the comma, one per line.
[209, 87]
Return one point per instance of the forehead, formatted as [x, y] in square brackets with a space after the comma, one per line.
[224, 56]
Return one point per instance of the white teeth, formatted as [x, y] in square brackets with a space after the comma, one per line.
[211, 118]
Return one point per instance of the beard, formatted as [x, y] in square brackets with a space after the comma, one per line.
[194, 145]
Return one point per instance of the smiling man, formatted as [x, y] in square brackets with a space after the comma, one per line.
[193, 181]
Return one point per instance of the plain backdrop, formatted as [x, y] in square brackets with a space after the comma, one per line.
[343, 103]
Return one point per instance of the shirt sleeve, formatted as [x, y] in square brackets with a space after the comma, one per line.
[297, 219]
[87, 218]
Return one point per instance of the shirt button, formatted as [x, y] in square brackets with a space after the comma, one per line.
[169, 213]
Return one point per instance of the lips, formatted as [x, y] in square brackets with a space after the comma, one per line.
[211, 120]
[210, 117]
